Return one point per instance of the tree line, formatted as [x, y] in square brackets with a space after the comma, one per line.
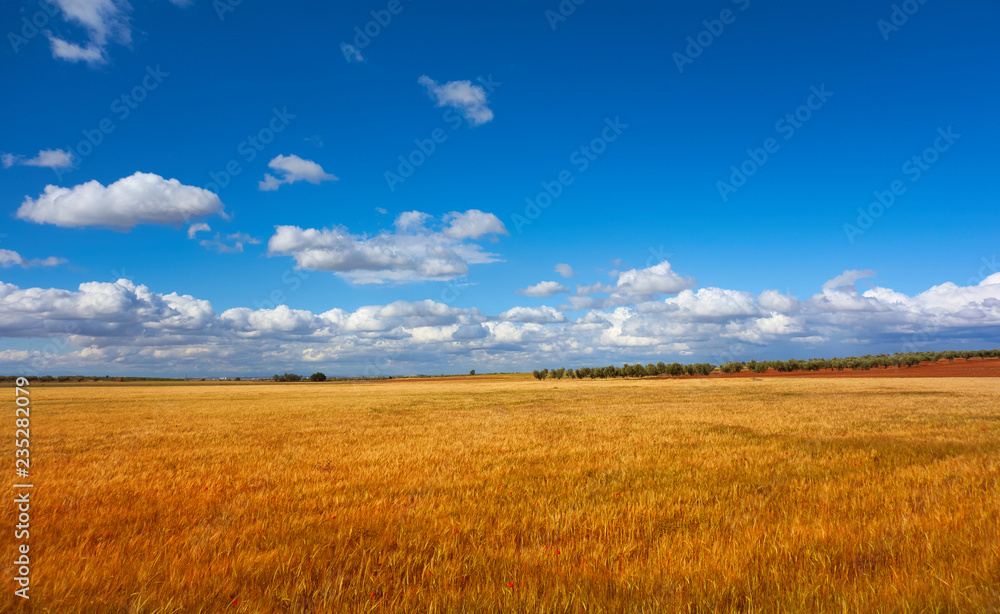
[855, 363]
[292, 377]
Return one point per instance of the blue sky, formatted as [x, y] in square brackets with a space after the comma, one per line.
[638, 115]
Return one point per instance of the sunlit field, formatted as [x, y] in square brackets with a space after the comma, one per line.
[515, 495]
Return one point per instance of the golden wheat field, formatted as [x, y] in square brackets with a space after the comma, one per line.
[514, 495]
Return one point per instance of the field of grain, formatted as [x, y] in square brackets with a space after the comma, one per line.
[514, 495]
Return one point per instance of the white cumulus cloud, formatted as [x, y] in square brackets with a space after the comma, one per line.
[47, 158]
[9, 258]
[291, 169]
[473, 224]
[142, 198]
[105, 21]
[657, 279]
[534, 315]
[194, 229]
[462, 95]
[565, 270]
[414, 252]
[123, 325]
[543, 289]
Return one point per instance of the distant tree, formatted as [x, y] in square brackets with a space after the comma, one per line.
[472, 372]
[537, 374]
[292, 377]
[731, 367]
[559, 373]
[278, 378]
[704, 368]
[317, 377]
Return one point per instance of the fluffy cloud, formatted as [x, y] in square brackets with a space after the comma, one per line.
[632, 287]
[119, 310]
[9, 258]
[657, 279]
[143, 198]
[293, 168]
[105, 21]
[543, 289]
[194, 229]
[462, 95]
[414, 252]
[772, 300]
[565, 270]
[47, 158]
[472, 224]
[535, 315]
[282, 320]
[713, 304]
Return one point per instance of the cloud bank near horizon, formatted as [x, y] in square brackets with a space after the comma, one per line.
[123, 325]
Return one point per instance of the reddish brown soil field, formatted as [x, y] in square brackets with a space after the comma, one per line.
[976, 367]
